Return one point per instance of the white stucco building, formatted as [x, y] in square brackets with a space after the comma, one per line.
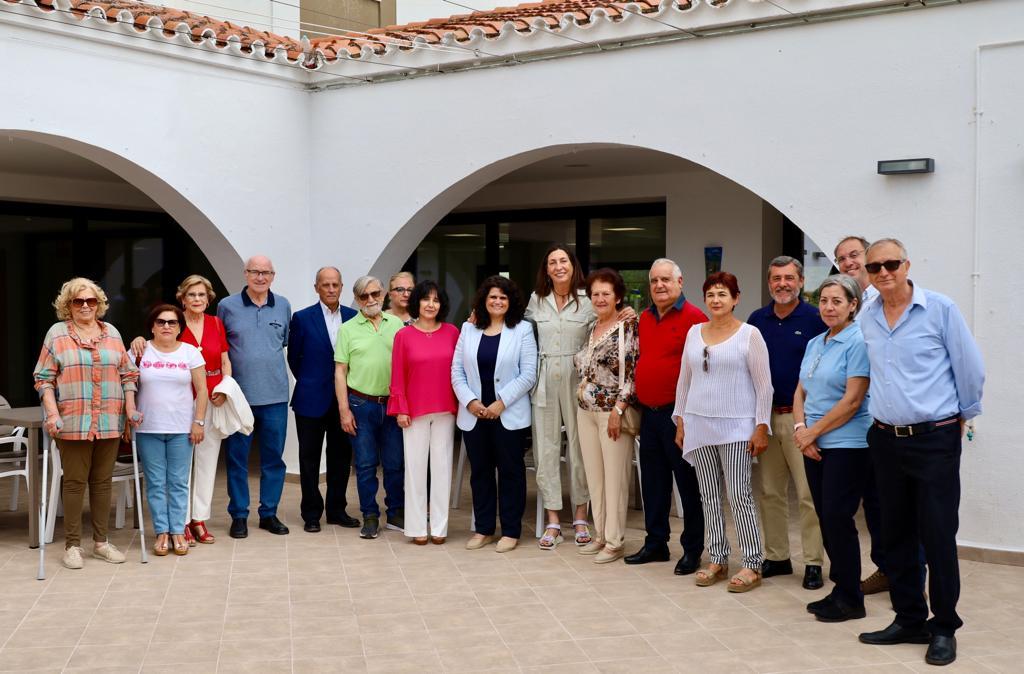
[735, 117]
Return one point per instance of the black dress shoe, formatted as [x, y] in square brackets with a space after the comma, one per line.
[896, 634]
[815, 606]
[239, 528]
[687, 565]
[274, 525]
[344, 520]
[646, 554]
[311, 527]
[836, 611]
[941, 651]
[812, 578]
[770, 568]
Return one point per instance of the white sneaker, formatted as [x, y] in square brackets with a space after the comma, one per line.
[108, 553]
[72, 558]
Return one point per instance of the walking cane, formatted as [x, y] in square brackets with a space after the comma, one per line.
[43, 491]
[138, 492]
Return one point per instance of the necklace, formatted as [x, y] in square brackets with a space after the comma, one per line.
[431, 332]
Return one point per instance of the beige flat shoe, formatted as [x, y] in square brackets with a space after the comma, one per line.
[478, 541]
[608, 555]
[591, 548]
[507, 544]
[740, 583]
[707, 576]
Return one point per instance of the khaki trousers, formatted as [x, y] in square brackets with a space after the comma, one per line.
[87, 462]
[776, 465]
[547, 439]
[607, 463]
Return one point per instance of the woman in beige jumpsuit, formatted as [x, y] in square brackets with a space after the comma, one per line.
[562, 313]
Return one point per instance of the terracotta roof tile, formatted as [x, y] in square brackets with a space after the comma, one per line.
[460, 27]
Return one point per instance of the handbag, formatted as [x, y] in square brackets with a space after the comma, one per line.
[631, 416]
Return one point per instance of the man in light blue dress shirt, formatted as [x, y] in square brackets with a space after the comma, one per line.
[926, 382]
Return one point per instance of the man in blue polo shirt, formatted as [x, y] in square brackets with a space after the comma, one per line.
[787, 323]
[926, 383]
[256, 321]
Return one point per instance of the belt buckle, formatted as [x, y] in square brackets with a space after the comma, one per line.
[903, 431]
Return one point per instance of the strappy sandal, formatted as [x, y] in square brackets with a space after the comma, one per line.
[582, 537]
[200, 532]
[706, 577]
[181, 549]
[550, 541]
[161, 547]
[188, 537]
[740, 583]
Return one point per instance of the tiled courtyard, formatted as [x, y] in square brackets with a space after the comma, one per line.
[332, 602]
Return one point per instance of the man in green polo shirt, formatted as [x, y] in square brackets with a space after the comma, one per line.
[362, 377]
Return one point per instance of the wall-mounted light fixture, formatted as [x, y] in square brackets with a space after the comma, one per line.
[889, 167]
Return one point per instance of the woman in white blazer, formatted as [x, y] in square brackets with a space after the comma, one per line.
[493, 371]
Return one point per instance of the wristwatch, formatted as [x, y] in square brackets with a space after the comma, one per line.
[199, 422]
[619, 410]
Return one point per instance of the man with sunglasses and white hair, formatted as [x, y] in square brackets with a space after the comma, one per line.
[362, 381]
[256, 321]
[926, 382]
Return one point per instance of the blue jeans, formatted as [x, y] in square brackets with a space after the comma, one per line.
[166, 460]
[270, 422]
[378, 441]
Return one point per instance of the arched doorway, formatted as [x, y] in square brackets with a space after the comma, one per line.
[64, 214]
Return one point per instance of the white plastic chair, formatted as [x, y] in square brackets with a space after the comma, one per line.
[13, 452]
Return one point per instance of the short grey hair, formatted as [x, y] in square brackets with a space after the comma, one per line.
[895, 242]
[664, 260]
[864, 243]
[361, 284]
[785, 260]
[849, 286]
[316, 279]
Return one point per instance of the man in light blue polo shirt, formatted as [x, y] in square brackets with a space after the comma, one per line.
[256, 321]
[926, 382]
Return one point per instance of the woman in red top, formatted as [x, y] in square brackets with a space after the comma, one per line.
[207, 333]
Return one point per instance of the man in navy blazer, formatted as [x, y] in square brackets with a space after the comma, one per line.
[313, 333]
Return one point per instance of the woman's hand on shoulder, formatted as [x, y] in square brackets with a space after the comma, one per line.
[137, 347]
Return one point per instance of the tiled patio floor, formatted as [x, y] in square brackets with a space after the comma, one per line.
[333, 602]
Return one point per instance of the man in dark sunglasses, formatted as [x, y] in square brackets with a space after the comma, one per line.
[926, 383]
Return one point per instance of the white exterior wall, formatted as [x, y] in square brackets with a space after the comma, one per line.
[797, 117]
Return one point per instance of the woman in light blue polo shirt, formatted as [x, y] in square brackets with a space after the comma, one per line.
[831, 421]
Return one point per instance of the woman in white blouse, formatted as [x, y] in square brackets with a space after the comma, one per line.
[722, 412]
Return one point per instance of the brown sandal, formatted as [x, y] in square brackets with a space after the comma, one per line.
[438, 540]
[421, 540]
[707, 577]
[739, 583]
[160, 549]
[181, 549]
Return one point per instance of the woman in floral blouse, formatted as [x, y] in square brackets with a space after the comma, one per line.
[605, 395]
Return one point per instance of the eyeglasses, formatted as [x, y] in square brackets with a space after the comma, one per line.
[363, 297]
[80, 302]
[852, 256]
[890, 266]
[404, 291]
[195, 296]
[706, 359]
[259, 273]
[169, 322]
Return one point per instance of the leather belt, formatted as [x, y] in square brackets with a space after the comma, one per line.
[380, 400]
[917, 429]
[783, 409]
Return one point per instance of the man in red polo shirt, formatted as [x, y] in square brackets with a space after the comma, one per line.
[663, 329]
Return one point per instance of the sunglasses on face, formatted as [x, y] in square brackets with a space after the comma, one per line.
[368, 296]
[90, 302]
[706, 368]
[890, 266]
[169, 322]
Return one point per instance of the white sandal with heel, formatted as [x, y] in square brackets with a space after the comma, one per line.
[550, 541]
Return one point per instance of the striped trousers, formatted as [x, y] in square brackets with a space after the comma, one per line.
[732, 462]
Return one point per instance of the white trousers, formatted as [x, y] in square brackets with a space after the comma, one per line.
[428, 440]
[204, 462]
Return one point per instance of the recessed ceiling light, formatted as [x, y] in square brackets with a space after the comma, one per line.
[624, 229]
[577, 166]
[463, 235]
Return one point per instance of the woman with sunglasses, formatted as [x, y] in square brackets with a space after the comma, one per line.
[206, 332]
[831, 422]
[723, 408]
[400, 288]
[87, 383]
[169, 371]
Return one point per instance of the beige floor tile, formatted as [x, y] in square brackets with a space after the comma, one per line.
[517, 613]
[191, 652]
[376, 606]
[101, 657]
[262, 667]
[381, 643]
[405, 663]
[629, 666]
[31, 659]
[30, 636]
[598, 626]
[240, 651]
[278, 627]
[615, 648]
[682, 645]
[307, 647]
[462, 638]
[199, 611]
[726, 618]
[356, 663]
[324, 626]
[533, 631]
[399, 623]
[176, 631]
[506, 597]
[191, 668]
[779, 659]
[548, 654]
[478, 658]
[566, 668]
[444, 619]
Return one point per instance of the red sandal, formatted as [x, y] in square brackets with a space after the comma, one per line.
[191, 542]
[199, 531]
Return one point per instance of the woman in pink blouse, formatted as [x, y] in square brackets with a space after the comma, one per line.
[424, 403]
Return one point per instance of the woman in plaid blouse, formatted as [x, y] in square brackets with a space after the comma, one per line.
[87, 383]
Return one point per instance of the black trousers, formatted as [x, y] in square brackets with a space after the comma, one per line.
[660, 462]
[919, 487]
[873, 518]
[311, 432]
[837, 485]
[492, 447]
